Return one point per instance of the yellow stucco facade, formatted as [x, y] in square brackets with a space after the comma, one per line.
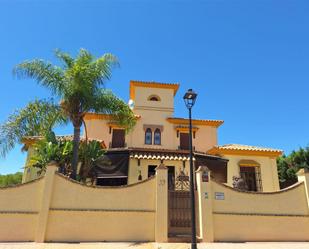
[55, 208]
[153, 105]
[160, 114]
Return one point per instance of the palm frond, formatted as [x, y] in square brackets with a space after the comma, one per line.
[103, 67]
[36, 119]
[45, 73]
[65, 57]
[106, 102]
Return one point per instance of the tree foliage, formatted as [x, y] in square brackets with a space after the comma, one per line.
[10, 179]
[36, 119]
[52, 149]
[79, 83]
[289, 165]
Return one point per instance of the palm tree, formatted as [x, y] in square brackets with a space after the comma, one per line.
[79, 82]
[36, 119]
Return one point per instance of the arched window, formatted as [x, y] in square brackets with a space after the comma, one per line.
[154, 98]
[148, 136]
[157, 137]
[250, 173]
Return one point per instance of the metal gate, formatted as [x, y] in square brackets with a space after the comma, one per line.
[179, 215]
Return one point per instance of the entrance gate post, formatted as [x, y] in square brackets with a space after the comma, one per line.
[161, 225]
[205, 199]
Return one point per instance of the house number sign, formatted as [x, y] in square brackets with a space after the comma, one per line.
[161, 182]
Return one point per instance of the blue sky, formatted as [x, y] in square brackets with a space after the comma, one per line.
[248, 60]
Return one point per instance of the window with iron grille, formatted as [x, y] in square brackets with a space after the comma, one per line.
[252, 178]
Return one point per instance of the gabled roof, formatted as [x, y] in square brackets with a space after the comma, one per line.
[185, 121]
[151, 84]
[240, 149]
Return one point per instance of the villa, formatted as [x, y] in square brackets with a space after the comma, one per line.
[160, 137]
[145, 179]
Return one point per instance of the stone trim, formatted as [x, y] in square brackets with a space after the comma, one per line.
[18, 212]
[22, 184]
[101, 210]
[153, 127]
[261, 214]
[296, 185]
[104, 187]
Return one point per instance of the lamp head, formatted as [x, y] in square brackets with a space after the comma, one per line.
[190, 98]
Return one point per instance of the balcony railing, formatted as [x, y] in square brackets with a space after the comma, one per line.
[180, 148]
[111, 145]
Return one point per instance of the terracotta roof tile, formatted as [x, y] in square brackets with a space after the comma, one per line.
[245, 149]
[209, 122]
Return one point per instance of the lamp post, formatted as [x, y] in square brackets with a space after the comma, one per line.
[189, 99]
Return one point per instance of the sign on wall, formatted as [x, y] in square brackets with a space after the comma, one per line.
[205, 177]
[219, 196]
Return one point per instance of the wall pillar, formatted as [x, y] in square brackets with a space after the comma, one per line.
[47, 191]
[303, 176]
[161, 223]
[205, 199]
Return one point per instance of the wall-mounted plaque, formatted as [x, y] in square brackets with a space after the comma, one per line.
[205, 177]
[219, 196]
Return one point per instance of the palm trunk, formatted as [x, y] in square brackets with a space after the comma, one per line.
[86, 133]
[76, 140]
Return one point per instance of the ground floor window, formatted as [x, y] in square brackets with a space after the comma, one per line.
[171, 174]
[252, 178]
[151, 170]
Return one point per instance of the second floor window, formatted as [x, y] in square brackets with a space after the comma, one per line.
[148, 136]
[118, 138]
[184, 141]
[157, 137]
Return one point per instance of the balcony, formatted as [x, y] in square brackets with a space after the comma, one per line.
[117, 145]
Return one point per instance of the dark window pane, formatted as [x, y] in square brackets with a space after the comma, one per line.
[249, 176]
[171, 177]
[184, 141]
[118, 139]
[151, 170]
[148, 136]
[157, 137]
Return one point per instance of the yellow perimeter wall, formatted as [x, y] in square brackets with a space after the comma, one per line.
[246, 216]
[54, 208]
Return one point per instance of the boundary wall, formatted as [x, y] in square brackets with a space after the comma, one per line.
[55, 208]
[231, 215]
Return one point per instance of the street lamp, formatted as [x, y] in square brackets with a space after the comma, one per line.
[189, 99]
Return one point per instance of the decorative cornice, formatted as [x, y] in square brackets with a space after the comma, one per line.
[185, 129]
[185, 121]
[102, 116]
[151, 84]
[248, 163]
[244, 150]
